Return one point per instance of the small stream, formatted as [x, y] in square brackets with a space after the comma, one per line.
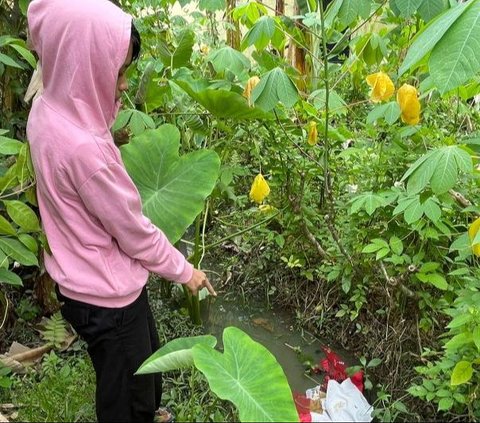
[294, 349]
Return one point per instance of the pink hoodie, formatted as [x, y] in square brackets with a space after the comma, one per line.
[102, 246]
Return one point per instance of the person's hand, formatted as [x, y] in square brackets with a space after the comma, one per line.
[198, 281]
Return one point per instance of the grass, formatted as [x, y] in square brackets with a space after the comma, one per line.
[62, 387]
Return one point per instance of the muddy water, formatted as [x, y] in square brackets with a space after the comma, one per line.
[294, 349]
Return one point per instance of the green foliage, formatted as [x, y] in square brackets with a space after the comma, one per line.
[229, 59]
[63, 390]
[223, 103]
[55, 331]
[179, 54]
[275, 86]
[5, 376]
[177, 354]
[246, 373]
[452, 63]
[440, 168]
[173, 188]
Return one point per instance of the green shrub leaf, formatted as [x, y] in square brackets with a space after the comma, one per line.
[22, 215]
[462, 373]
[6, 276]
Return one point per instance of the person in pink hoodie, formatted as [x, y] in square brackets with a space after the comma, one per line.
[101, 246]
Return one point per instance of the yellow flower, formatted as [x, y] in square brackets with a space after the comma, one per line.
[407, 98]
[312, 133]
[382, 86]
[204, 49]
[472, 233]
[260, 189]
[251, 84]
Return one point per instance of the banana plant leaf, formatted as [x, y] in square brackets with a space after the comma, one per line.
[173, 188]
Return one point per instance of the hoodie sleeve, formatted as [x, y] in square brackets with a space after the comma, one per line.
[110, 195]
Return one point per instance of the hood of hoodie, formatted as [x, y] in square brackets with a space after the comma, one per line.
[81, 44]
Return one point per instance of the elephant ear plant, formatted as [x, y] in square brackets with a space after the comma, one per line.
[246, 373]
[173, 188]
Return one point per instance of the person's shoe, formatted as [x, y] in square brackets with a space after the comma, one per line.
[164, 415]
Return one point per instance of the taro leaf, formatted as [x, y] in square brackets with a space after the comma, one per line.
[273, 87]
[174, 355]
[230, 59]
[172, 188]
[6, 276]
[224, 104]
[249, 376]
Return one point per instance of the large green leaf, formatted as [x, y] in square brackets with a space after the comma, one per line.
[275, 86]
[351, 10]
[249, 376]
[432, 8]
[260, 34]
[18, 252]
[230, 59]
[406, 7]
[174, 355]
[223, 103]
[455, 59]
[426, 40]
[440, 168]
[173, 188]
[178, 55]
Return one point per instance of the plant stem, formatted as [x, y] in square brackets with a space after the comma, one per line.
[195, 302]
[215, 244]
[326, 153]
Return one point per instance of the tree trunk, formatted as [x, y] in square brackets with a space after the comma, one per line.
[233, 35]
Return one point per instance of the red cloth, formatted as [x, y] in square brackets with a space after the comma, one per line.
[335, 369]
[303, 407]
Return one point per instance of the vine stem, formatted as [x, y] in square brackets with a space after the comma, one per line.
[326, 154]
[256, 225]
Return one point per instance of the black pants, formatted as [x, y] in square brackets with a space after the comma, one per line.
[119, 340]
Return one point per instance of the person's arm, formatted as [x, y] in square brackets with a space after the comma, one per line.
[110, 195]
